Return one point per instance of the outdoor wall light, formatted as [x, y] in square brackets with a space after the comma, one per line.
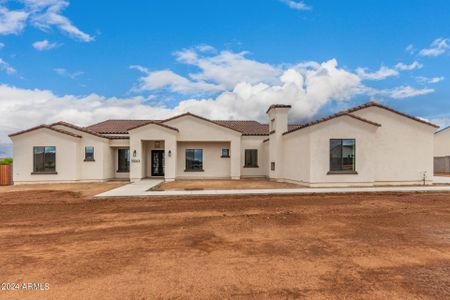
[134, 153]
[169, 153]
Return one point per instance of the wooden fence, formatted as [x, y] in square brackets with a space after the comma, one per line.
[5, 174]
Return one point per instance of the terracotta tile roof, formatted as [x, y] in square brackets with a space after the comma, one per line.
[69, 125]
[330, 117]
[246, 127]
[115, 126]
[153, 122]
[47, 127]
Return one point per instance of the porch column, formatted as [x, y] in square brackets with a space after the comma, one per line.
[170, 160]
[235, 158]
[136, 169]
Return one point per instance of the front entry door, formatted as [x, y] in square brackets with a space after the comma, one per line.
[157, 162]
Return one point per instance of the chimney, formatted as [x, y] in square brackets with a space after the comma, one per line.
[278, 124]
[278, 118]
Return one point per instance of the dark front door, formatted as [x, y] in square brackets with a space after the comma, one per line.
[157, 162]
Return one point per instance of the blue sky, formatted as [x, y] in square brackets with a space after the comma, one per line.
[85, 61]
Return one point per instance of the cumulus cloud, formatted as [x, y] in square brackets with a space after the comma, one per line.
[438, 47]
[228, 68]
[44, 45]
[297, 5]
[166, 79]
[42, 14]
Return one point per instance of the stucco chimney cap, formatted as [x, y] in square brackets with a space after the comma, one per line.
[278, 106]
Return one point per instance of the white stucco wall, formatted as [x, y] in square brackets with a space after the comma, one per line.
[67, 153]
[254, 142]
[152, 132]
[442, 143]
[198, 130]
[296, 158]
[342, 128]
[98, 169]
[403, 147]
[214, 166]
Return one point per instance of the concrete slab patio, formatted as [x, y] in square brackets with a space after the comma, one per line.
[141, 188]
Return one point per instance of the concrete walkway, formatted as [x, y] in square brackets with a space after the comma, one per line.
[138, 188]
[441, 179]
[141, 189]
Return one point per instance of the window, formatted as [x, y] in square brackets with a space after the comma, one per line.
[194, 160]
[342, 155]
[44, 159]
[89, 153]
[251, 158]
[225, 152]
[123, 156]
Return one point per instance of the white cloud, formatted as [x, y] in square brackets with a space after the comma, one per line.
[42, 14]
[405, 91]
[12, 21]
[5, 67]
[298, 5]
[228, 68]
[428, 80]
[166, 79]
[2, 45]
[438, 47]
[44, 45]
[382, 73]
[413, 66]
[63, 72]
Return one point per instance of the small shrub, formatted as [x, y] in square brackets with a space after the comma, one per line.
[6, 161]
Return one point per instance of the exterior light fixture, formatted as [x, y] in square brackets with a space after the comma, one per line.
[169, 153]
[134, 153]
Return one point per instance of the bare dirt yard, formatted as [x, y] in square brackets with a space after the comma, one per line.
[218, 184]
[393, 245]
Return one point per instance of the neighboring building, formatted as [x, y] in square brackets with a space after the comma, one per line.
[367, 145]
[442, 151]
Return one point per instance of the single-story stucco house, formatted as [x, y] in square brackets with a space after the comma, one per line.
[367, 145]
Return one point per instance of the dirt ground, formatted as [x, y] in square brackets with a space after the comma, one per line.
[218, 184]
[370, 246]
[85, 189]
